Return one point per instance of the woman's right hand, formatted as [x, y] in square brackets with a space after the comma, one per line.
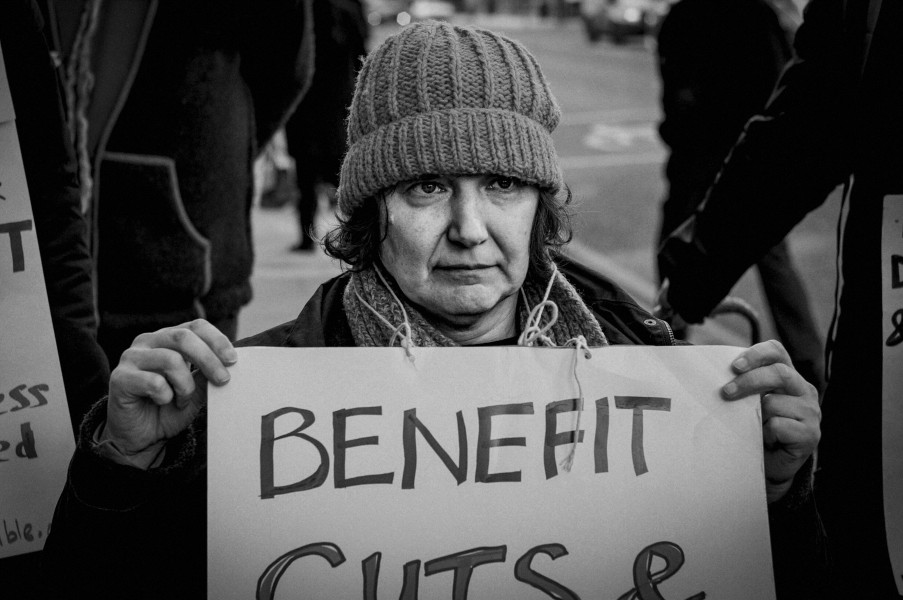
[153, 395]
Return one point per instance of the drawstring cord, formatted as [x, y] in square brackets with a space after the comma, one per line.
[578, 343]
[403, 331]
[536, 332]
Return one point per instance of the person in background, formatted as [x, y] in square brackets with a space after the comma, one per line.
[170, 103]
[835, 118]
[315, 132]
[718, 63]
[453, 210]
[51, 177]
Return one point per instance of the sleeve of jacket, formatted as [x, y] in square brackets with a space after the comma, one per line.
[118, 531]
[50, 172]
[784, 164]
[277, 60]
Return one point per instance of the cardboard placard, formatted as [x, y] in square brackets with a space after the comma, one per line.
[36, 440]
[354, 472]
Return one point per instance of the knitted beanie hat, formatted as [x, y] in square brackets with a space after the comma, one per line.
[442, 99]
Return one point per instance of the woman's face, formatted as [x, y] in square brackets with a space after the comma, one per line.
[459, 246]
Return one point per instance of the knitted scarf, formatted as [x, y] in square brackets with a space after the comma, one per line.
[574, 317]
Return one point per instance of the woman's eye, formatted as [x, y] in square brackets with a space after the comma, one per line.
[505, 183]
[428, 187]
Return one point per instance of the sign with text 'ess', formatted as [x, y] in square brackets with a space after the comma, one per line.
[36, 440]
[356, 473]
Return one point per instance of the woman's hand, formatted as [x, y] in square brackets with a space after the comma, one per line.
[153, 395]
[790, 411]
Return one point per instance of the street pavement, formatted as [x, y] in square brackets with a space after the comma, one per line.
[283, 280]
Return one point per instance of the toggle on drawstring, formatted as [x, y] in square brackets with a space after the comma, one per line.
[403, 331]
[534, 332]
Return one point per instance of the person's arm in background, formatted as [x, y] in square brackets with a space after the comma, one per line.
[50, 172]
[277, 51]
[785, 164]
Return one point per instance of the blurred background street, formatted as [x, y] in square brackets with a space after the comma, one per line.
[612, 159]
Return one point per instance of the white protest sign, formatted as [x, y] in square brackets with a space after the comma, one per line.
[355, 473]
[892, 379]
[36, 440]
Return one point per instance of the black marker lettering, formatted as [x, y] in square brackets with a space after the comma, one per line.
[553, 437]
[15, 230]
[409, 587]
[600, 445]
[896, 271]
[463, 564]
[523, 571]
[17, 395]
[409, 441]
[26, 448]
[485, 441]
[646, 581]
[266, 585]
[268, 440]
[340, 444]
[638, 404]
[36, 390]
[370, 570]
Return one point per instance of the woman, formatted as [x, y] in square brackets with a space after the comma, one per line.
[452, 197]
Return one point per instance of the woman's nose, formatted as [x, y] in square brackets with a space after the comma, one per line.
[468, 226]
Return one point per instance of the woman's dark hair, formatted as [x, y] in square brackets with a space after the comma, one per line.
[357, 238]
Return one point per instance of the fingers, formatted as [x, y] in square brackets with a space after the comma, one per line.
[198, 342]
[160, 374]
[157, 366]
[796, 436]
[763, 368]
[790, 407]
[790, 411]
[133, 382]
[788, 443]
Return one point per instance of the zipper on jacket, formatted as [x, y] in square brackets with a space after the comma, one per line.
[672, 341]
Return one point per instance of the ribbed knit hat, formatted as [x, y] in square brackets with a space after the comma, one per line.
[442, 99]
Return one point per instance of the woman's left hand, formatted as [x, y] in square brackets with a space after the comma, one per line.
[791, 414]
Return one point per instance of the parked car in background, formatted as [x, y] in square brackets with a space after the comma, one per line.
[621, 19]
[422, 10]
[387, 11]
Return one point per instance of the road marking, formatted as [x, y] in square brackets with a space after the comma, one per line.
[622, 115]
[606, 137]
[603, 161]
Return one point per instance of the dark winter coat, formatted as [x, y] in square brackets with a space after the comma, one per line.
[210, 83]
[316, 131]
[718, 63]
[50, 172]
[836, 112]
